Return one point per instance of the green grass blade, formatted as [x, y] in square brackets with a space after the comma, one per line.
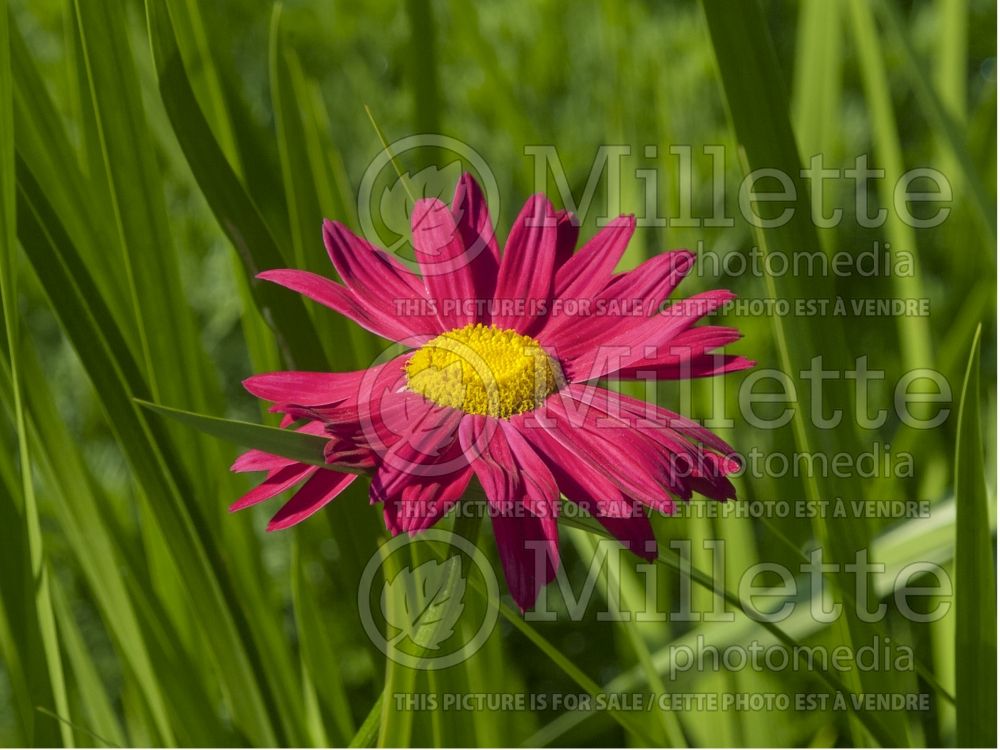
[98, 710]
[233, 207]
[368, 731]
[975, 582]
[914, 332]
[38, 581]
[288, 443]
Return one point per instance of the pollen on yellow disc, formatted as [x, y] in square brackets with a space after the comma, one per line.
[483, 370]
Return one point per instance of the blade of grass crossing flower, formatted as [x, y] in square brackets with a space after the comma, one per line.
[288, 443]
[38, 602]
[233, 207]
[115, 376]
[975, 582]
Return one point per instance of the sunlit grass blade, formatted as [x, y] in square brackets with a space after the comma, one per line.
[975, 582]
[139, 210]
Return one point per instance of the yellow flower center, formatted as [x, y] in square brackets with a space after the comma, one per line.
[483, 370]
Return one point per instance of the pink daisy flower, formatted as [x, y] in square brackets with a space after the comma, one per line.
[499, 383]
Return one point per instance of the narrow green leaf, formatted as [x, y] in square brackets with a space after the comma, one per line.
[288, 443]
[975, 583]
[368, 731]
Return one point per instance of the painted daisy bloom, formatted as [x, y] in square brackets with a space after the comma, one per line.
[498, 383]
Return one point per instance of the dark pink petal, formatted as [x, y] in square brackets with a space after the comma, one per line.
[526, 268]
[255, 460]
[528, 545]
[634, 532]
[312, 388]
[568, 231]
[444, 262]
[378, 280]
[634, 461]
[426, 499]
[652, 280]
[420, 453]
[277, 481]
[577, 478]
[615, 305]
[689, 350]
[626, 341]
[541, 493]
[472, 216]
[587, 272]
[380, 319]
[646, 413]
[323, 487]
[529, 552]
[366, 269]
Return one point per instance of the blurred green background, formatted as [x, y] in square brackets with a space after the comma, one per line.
[155, 155]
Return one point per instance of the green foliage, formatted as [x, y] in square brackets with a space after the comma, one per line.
[156, 156]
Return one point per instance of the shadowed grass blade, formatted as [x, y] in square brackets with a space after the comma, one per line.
[975, 583]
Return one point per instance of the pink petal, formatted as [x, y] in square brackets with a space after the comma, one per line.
[529, 552]
[380, 319]
[323, 487]
[635, 533]
[577, 478]
[528, 544]
[426, 499]
[255, 460]
[378, 280]
[587, 272]
[524, 286]
[626, 341]
[601, 440]
[652, 282]
[420, 453]
[568, 231]
[277, 481]
[541, 493]
[440, 250]
[312, 388]
[478, 236]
